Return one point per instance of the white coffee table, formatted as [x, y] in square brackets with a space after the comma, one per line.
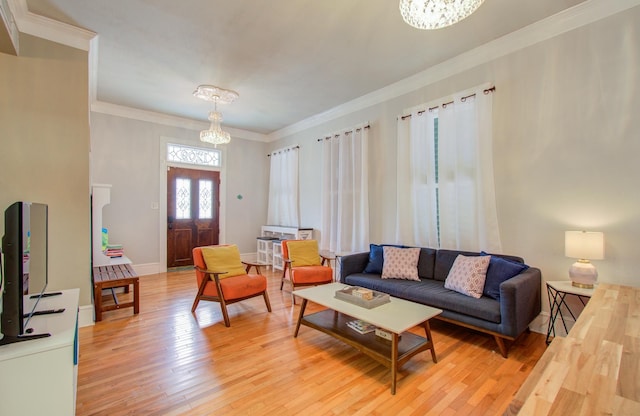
[397, 317]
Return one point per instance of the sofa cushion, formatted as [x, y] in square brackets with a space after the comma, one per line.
[444, 262]
[467, 275]
[499, 270]
[430, 292]
[426, 263]
[400, 263]
[376, 258]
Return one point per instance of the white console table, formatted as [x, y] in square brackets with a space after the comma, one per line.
[39, 376]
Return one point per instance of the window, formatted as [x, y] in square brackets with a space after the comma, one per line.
[183, 199]
[445, 191]
[193, 155]
[204, 199]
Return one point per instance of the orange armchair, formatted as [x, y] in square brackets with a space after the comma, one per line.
[223, 278]
[303, 264]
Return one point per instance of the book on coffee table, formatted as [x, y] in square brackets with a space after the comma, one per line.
[361, 326]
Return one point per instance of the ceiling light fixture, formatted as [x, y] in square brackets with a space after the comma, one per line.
[215, 135]
[436, 14]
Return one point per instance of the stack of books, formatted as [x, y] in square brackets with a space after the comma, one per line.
[361, 326]
[114, 250]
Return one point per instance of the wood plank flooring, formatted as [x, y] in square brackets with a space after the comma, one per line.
[166, 361]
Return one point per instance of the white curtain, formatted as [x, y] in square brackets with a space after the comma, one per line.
[416, 202]
[283, 188]
[461, 205]
[345, 192]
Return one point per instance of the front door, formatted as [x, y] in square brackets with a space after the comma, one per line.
[193, 207]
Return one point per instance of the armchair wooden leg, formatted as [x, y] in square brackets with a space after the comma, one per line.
[266, 300]
[203, 283]
[225, 314]
[195, 304]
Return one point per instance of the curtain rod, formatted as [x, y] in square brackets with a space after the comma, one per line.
[283, 150]
[346, 132]
[444, 105]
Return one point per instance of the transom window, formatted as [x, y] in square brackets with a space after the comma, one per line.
[193, 155]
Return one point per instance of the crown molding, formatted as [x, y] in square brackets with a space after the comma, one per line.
[575, 17]
[102, 107]
[43, 27]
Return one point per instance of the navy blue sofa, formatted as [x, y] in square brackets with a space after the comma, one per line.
[507, 317]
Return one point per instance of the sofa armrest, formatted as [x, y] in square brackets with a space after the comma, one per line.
[520, 301]
[353, 263]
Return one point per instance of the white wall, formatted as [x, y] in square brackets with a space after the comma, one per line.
[127, 154]
[566, 143]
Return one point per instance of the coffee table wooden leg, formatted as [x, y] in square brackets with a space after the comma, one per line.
[394, 362]
[427, 331]
[302, 307]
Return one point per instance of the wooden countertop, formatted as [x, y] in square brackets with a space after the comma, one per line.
[596, 368]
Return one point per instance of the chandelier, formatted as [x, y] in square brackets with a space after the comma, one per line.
[215, 135]
[436, 14]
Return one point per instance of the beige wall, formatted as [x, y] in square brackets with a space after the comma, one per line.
[566, 144]
[129, 155]
[44, 151]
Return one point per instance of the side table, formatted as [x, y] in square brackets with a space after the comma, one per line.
[557, 291]
[253, 260]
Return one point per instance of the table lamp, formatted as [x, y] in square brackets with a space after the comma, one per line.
[584, 246]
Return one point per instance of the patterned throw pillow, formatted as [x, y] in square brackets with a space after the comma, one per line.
[467, 275]
[400, 263]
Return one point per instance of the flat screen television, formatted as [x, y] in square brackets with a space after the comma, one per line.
[25, 261]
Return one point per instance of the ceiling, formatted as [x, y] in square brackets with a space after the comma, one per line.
[288, 59]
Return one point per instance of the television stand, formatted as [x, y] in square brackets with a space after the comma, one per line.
[45, 295]
[6, 340]
[44, 312]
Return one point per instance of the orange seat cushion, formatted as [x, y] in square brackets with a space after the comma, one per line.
[236, 287]
[243, 286]
[311, 275]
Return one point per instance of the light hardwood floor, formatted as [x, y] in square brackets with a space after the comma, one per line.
[166, 361]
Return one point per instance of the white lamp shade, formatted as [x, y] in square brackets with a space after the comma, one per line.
[588, 245]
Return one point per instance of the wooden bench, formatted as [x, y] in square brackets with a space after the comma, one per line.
[111, 277]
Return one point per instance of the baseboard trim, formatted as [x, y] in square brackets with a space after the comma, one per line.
[148, 268]
[541, 324]
[85, 316]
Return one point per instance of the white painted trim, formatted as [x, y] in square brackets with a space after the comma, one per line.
[164, 164]
[85, 315]
[580, 15]
[147, 269]
[169, 120]
[45, 28]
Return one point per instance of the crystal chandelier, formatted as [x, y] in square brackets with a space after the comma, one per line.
[436, 14]
[215, 135]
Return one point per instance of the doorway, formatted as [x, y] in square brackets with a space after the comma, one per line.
[193, 213]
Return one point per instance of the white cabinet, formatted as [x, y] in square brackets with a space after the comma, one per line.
[278, 263]
[39, 376]
[265, 250]
[269, 246]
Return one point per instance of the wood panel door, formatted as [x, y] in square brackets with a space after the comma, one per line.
[193, 208]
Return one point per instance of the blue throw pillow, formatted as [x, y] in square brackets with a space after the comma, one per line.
[500, 270]
[376, 258]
